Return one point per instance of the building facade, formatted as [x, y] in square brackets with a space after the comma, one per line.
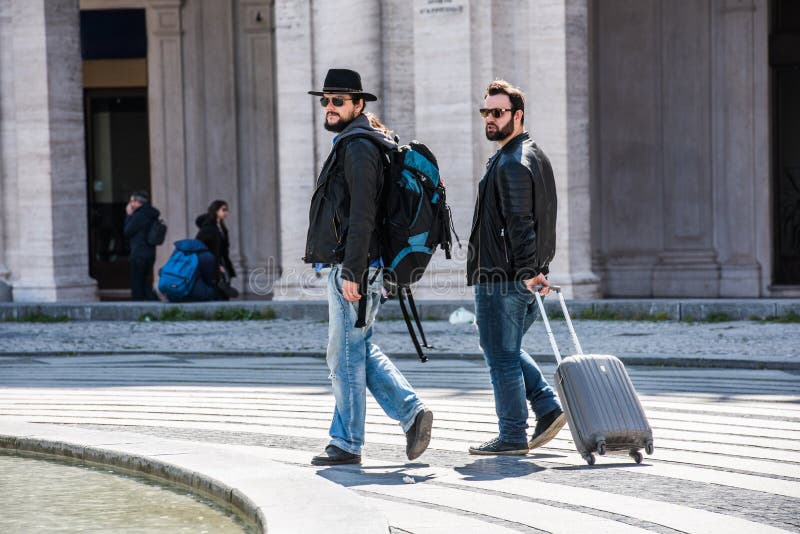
[671, 132]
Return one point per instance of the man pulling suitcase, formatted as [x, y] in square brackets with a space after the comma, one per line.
[511, 245]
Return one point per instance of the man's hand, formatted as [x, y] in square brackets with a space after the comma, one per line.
[129, 209]
[350, 291]
[538, 280]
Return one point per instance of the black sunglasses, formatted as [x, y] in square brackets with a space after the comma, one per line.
[494, 112]
[338, 101]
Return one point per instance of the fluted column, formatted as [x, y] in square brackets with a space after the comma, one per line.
[8, 171]
[166, 118]
[51, 250]
[296, 112]
[558, 118]
[741, 182]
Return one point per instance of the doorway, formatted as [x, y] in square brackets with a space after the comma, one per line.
[784, 56]
[114, 53]
[118, 163]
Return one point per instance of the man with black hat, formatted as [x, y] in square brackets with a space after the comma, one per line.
[343, 234]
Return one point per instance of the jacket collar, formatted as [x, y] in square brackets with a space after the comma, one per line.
[515, 142]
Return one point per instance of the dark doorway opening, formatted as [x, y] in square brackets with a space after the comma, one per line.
[784, 56]
[114, 50]
[118, 163]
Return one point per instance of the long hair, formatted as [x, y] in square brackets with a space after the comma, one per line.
[375, 122]
[213, 208]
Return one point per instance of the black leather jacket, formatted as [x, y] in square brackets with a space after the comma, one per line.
[514, 227]
[344, 207]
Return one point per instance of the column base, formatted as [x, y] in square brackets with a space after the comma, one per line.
[580, 285]
[686, 274]
[629, 276]
[6, 293]
[740, 280]
[25, 291]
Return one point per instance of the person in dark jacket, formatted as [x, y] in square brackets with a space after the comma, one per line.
[511, 245]
[213, 223]
[343, 234]
[206, 286]
[214, 220]
[140, 217]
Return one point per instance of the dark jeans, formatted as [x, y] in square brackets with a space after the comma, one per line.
[505, 311]
[141, 276]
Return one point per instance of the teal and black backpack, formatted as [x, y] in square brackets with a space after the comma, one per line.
[415, 220]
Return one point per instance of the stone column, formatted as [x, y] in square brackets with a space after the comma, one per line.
[8, 170]
[687, 265]
[259, 193]
[52, 256]
[296, 113]
[210, 113]
[448, 91]
[166, 116]
[399, 99]
[558, 119]
[739, 182]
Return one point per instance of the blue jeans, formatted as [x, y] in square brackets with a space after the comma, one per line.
[357, 364]
[505, 311]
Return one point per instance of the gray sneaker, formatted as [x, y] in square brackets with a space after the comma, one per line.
[496, 446]
[547, 427]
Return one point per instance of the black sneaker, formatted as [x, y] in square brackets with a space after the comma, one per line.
[419, 435]
[547, 426]
[500, 447]
[333, 455]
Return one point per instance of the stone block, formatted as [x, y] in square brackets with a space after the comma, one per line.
[721, 310]
[783, 309]
[637, 309]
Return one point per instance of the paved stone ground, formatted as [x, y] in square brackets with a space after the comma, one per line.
[727, 441]
[637, 340]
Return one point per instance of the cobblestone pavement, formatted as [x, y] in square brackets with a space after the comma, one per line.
[727, 455]
[771, 342]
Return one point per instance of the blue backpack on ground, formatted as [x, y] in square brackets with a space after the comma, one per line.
[178, 276]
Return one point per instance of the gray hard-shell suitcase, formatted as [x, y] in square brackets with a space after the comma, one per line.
[603, 410]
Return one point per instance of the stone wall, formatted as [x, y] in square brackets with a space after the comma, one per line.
[680, 136]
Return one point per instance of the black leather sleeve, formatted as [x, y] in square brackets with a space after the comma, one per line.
[516, 192]
[363, 172]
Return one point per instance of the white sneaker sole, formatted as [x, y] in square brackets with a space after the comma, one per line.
[550, 433]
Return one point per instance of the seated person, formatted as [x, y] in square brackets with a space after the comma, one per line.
[205, 286]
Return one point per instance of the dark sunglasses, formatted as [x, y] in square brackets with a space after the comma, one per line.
[494, 112]
[338, 101]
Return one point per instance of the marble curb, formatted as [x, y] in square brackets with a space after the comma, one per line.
[621, 309]
[275, 497]
[657, 360]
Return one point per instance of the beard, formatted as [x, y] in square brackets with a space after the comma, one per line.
[500, 133]
[338, 126]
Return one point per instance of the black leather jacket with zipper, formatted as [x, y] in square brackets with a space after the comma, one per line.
[344, 207]
[514, 226]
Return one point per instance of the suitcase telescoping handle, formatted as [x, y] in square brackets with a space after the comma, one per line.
[557, 289]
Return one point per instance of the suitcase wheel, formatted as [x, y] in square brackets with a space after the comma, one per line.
[601, 447]
[637, 456]
[648, 448]
[589, 458]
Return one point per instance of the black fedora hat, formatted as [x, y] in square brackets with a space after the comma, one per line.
[344, 81]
